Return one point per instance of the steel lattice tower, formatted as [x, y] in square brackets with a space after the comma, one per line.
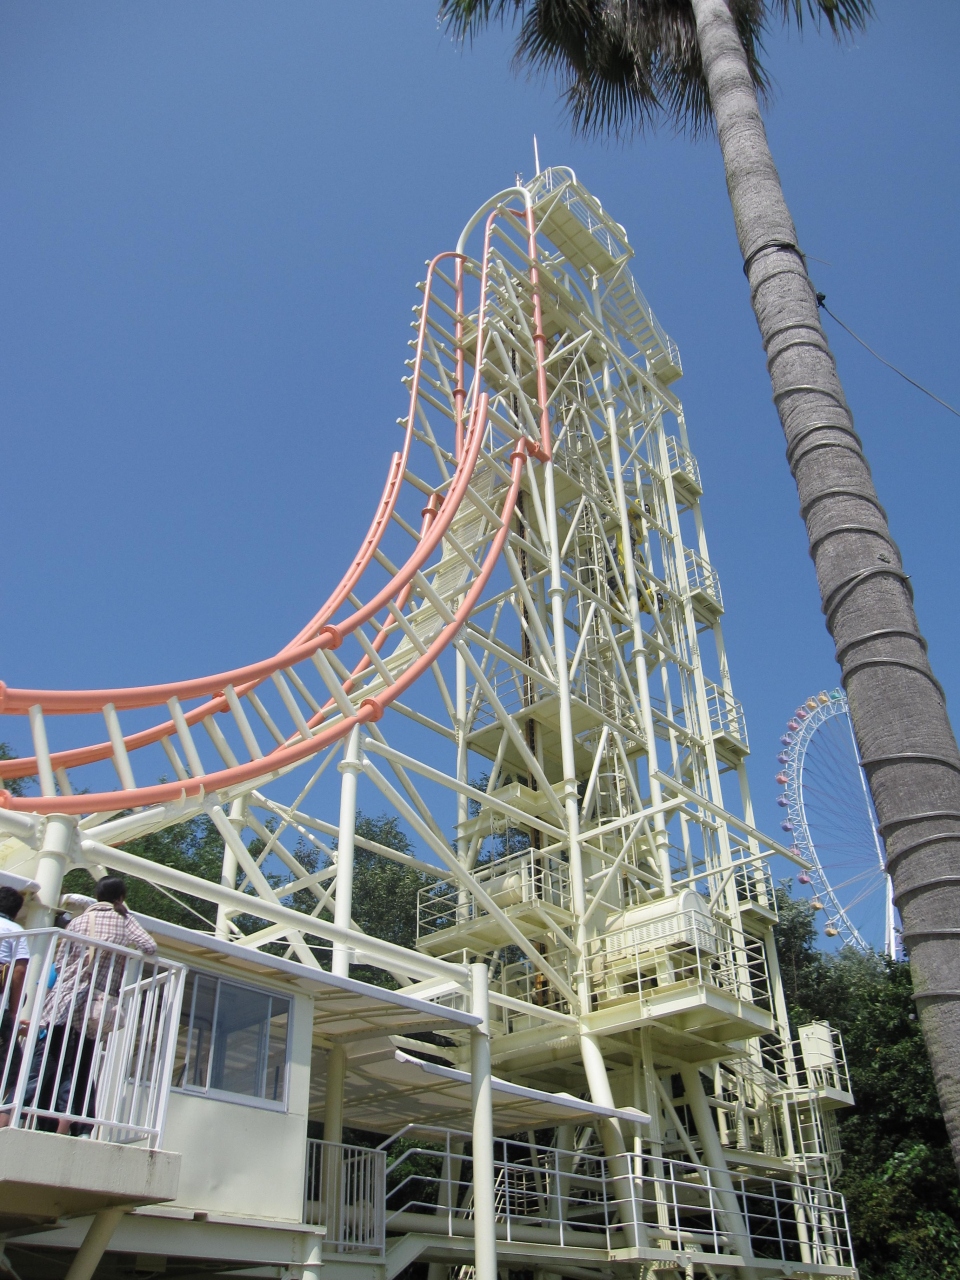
[526, 663]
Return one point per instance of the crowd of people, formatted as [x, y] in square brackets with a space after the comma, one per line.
[80, 996]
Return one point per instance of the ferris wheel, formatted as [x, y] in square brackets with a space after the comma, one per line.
[832, 824]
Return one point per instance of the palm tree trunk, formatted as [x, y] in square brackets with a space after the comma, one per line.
[908, 748]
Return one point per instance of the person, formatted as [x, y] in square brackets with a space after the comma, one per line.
[14, 957]
[78, 1008]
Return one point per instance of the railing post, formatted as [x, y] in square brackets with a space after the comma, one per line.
[484, 1208]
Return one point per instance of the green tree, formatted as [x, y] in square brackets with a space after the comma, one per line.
[16, 786]
[696, 64]
[195, 847]
[898, 1176]
[385, 893]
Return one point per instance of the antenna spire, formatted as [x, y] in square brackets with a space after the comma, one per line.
[536, 155]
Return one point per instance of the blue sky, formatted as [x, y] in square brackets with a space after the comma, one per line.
[212, 218]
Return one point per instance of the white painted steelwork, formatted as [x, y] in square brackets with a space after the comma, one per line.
[574, 1199]
[525, 664]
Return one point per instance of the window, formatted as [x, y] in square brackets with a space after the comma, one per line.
[232, 1041]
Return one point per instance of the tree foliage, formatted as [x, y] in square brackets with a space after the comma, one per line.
[16, 786]
[898, 1176]
[384, 892]
[195, 847]
[625, 65]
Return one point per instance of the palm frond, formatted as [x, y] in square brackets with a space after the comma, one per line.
[465, 19]
[843, 17]
[624, 66]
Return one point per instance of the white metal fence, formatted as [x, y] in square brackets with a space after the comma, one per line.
[87, 1036]
[683, 465]
[582, 1199]
[726, 714]
[528, 877]
[754, 885]
[687, 950]
[584, 207]
[702, 578]
[344, 1192]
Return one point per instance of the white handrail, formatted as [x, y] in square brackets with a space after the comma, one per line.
[89, 1034]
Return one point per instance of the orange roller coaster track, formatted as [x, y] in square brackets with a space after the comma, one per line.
[223, 691]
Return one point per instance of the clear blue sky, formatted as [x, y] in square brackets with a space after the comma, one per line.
[212, 218]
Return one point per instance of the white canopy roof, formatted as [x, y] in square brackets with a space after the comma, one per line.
[387, 1089]
[343, 1007]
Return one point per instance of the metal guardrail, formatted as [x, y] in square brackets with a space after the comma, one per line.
[726, 713]
[588, 211]
[662, 353]
[344, 1191]
[702, 576]
[821, 1058]
[681, 461]
[686, 950]
[625, 295]
[514, 691]
[816, 1060]
[520, 980]
[754, 885]
[87, 1037]
[525, 877]
[582, 1199]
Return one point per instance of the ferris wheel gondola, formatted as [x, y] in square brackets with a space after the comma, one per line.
[832, 824]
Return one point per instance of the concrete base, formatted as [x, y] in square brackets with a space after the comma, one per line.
[46, 1176]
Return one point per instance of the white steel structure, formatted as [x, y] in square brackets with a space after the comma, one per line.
[525, 663]
[832, 824]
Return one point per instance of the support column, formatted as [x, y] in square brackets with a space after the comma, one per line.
[331, 1169]
[633, 598]
[349, 767]
[463, 762]
[312, 1247]
[99, 1234]
[484, 1211]
[55, 856]
[648, 1099]
[228, 869]
[593, 1063]
[614, 1146]
[716, 1159]
[333, 1106]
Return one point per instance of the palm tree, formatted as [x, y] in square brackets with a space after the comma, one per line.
[629, 64]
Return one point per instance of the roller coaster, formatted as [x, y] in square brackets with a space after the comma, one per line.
[524, 663]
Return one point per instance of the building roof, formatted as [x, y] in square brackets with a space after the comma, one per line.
[344, 1008]
[387, 1090]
